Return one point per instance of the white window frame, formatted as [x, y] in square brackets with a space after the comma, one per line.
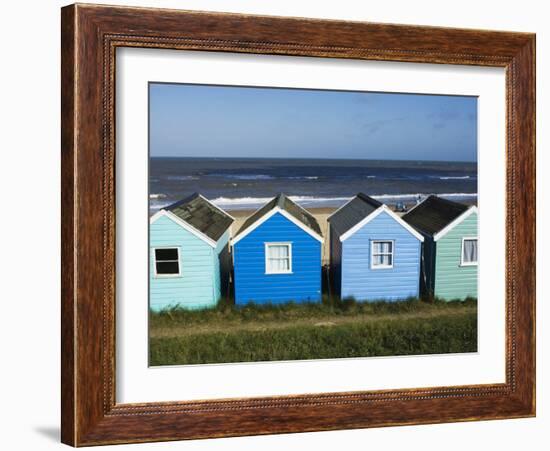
[166, 276]
[278, 243]
[462, 262]
[372, 254]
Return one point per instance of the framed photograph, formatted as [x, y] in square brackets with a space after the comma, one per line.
[279, 225]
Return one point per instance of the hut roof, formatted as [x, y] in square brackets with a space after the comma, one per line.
[284, 203]
[352, 213]
[202, 215]
[434, 214]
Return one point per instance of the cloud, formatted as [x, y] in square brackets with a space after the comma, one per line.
[374, 126]
[365, 98]
[448, 115]
[445, 115]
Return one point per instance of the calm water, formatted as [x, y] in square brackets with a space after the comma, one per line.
[246, 183]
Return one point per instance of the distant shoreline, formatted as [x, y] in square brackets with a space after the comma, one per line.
[320, 213]
[317, 184]
[158, 201]
[421, 162]
[315, 211]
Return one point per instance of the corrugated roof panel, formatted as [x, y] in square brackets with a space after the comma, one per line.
[434, 214]
[202, 215]
[353, 212]
[284, 203]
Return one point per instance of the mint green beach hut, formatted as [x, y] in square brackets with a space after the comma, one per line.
[450, 249]
[189, 254]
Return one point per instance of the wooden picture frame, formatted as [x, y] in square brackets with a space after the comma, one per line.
[90, 36]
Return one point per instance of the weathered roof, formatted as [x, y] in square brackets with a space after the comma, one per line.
[284, 203]
[434, 214]
[353, 213]
[202, 215]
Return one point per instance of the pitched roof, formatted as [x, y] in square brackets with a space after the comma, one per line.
[353, 213]
[284, 203]
[434, 214]
[202, 215]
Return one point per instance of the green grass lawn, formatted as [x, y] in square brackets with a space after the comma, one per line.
[332, 329]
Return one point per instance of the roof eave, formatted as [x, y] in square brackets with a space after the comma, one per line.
[185, 225]
[221, 210]
[445, 230]
[374, 214]
[268, 215]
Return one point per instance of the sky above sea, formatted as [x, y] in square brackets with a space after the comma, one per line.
[252, 122]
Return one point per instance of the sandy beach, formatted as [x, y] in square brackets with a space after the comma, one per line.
[321, 214]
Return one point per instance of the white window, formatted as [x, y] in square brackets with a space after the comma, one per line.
[167, 261]
[469, 251]
[381, 254]
[278, 258]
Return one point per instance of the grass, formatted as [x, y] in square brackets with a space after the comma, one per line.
[331, 329]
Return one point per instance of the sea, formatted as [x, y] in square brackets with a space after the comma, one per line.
[248, 183]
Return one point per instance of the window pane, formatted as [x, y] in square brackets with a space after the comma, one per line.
[382, 253]
[166, 254]
[470, 251]
[167, 268]
[278, 251]
[278, 264]
[382, 247]
[274, 251]
[382, 260]
[278, 258]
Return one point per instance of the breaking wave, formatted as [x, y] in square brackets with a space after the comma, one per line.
[243, 203]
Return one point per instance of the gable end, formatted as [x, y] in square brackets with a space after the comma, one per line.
[163, 213]
[374, 214]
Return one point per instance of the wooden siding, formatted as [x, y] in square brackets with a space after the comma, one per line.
[252, 284]
[362, 282]
[453, 281]
[195, 288]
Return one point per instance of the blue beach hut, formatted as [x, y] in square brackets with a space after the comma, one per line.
[189, 254]
[374, 254]
[277, 255]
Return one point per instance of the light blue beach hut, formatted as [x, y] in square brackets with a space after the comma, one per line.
[277, 255]
[189, 254]
[374, 254]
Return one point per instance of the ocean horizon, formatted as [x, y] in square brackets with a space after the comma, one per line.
[248, 183]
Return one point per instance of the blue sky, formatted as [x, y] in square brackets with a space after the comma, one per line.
[226, 121]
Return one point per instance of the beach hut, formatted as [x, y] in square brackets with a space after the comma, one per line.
[374, 254]
[449, 262]
[189, 254]
[277, 255]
